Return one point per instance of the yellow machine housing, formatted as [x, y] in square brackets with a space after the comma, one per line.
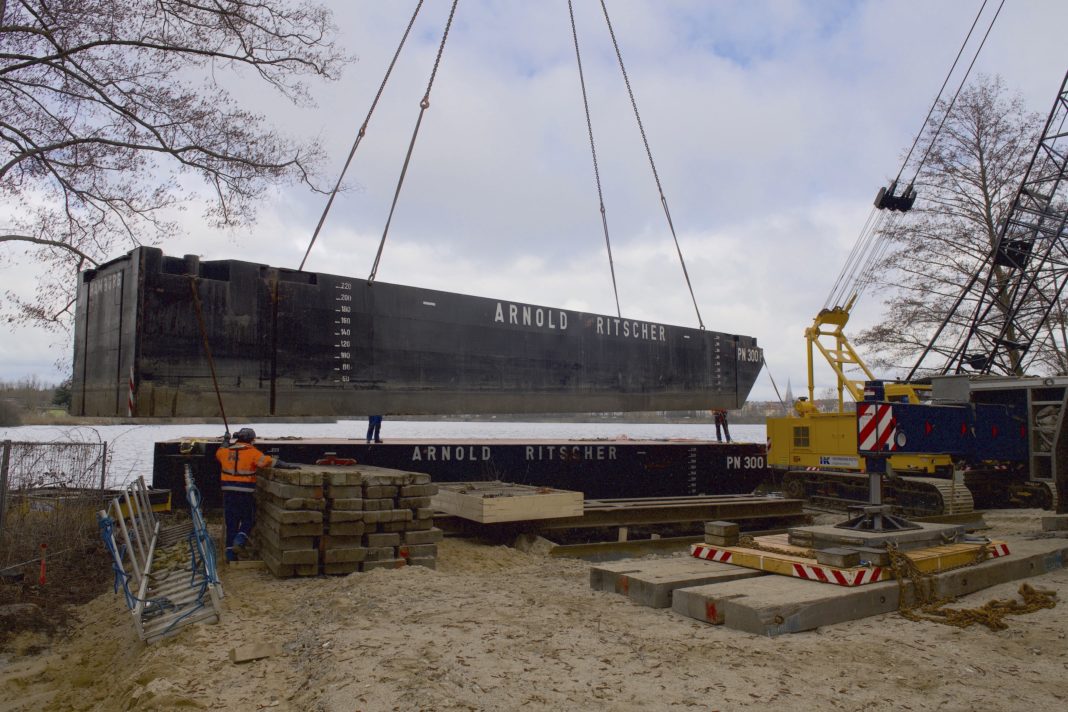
[828, 441]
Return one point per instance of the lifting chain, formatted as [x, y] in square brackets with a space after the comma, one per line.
[922, 603]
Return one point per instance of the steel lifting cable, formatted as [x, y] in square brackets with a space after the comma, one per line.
[360, 134]
[593, 152]
[953, 101]
[207, 349]
[652, 164]
[423, 106]
[867, 239]
[934, 104]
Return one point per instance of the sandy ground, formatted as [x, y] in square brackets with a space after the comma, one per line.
[496, 629]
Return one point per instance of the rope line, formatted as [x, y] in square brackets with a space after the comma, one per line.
[207, 348]
[423, 106]
[359, 135]
[593, 152]
[652, 164]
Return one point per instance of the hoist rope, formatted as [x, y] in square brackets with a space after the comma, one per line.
[207, 349]
[360, 134]
[953, 101]
[652, 164]
[593, 152]
[773, 384]
[934, 104]
[423, 106]
[871, 245]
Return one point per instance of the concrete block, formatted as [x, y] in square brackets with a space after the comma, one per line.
[287, 570]
[413, 502]
[331, 541]
[713, 540]
[423, 513]
[344, 515]
[393, 526]
[418, 490]
[372, 517]
[419, 524]
[383, 564]
[345, 528]
[723, 529]
[339, 556]
[407, 551]
[1055, 523]
[380, 553]
[276, 529]
[827, 536]
[838, 557]
[652, 582]
[285, 516]
[341, 568]
[429, 562]
[773, 605]
[344, 492]
[289, 556]
[254, 651]
[430, 536]
[345, 477]
[380, 491]
[380, 476]
[377, 504]
[286, 490]
[377, 540]
[348, 503]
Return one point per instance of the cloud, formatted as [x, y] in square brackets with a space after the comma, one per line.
[772, 125]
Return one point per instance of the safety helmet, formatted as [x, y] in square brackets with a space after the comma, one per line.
[245, 435]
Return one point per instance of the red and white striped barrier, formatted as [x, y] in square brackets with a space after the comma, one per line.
[841, 577]
[709, 553]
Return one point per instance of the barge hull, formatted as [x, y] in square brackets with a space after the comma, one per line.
[600, 469]
[291, 343]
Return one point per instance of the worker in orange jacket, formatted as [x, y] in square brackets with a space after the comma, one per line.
[239, 462]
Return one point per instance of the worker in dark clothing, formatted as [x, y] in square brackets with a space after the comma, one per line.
[239, 463]
[374, 428]
[720, 416]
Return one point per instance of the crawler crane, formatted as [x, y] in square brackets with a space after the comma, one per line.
[999, 319]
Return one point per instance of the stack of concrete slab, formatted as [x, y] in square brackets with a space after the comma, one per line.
[328, 519]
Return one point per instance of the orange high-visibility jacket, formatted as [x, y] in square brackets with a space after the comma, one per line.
[239, 464]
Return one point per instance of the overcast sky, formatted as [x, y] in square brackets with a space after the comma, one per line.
[772, 125]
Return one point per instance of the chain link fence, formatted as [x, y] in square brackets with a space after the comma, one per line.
[49, 493]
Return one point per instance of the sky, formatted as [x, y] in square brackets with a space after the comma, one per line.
[772, 125]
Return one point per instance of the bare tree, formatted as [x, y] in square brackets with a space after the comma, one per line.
[965, 189]
[107, 105]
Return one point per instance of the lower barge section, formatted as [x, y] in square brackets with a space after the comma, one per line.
[599, 469]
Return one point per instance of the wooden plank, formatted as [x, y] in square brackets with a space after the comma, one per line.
[496, 502]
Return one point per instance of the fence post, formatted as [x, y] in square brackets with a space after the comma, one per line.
[5, 461]
[104, 466]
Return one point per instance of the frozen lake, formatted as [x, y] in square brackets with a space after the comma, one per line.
[131, 445]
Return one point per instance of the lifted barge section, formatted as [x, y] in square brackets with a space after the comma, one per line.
[598, 468]
[290, 343]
